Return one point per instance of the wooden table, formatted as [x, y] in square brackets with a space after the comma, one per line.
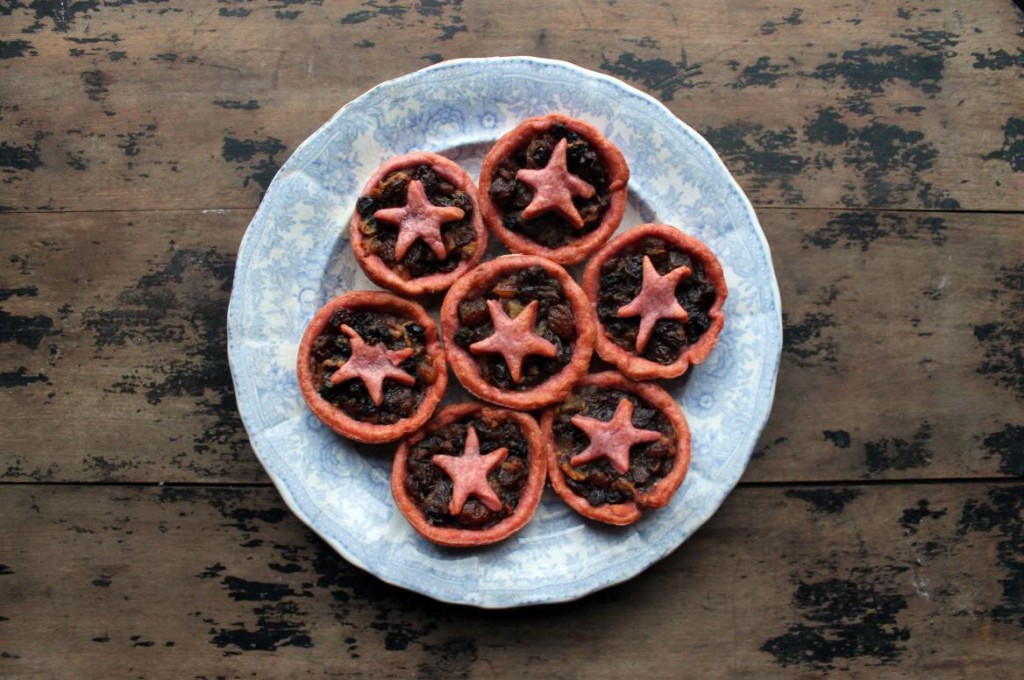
[880, 525]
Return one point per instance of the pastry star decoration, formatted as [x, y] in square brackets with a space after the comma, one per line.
[612, 439]
[419, 219]
[469, 474]
[372, 364]
[554, 187]
[514, 339]
[656, 300]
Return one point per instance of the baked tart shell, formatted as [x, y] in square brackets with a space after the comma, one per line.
[628, 362]
[465, 366]
[612, 160]
[332, 416]
[529, 498]
[661, 493]
[379, 271]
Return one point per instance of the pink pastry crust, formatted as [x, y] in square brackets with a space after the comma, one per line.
[628, 362]
[379, 271]
[612, 160]
[464, 363]
[334, 417]
[528, 500]
[661, 493]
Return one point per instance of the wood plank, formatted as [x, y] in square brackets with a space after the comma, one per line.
[884, 581]
[831, 105]
[113, 359]
[902, 353]
[114, 348]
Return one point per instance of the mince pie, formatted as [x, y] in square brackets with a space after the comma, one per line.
[417, 226]
[658, 294]
[370, 366]
[518, 331]
[472, 476]
[616, 448]
[553, 186]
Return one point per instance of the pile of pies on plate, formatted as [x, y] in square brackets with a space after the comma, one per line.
[518, 332]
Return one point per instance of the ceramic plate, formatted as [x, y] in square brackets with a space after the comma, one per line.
[296, 255]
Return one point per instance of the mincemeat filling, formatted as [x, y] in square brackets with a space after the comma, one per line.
[333, 347]
[597, 481]
[458, 236]
[511, 195]
[555, 322]
[621, 281]
[431, 488]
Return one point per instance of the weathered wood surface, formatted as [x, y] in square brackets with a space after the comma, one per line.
[114, 358]
[196, 104]
[883, 144]
[114, 366]
[898, 582]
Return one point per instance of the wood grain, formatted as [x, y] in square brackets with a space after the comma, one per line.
[886, 581]
[113, 350]
[902, 346]
[195, 105]
[115, 369]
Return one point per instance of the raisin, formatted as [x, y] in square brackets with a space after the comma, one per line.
[392, 190]
[416, 333]
[538, 151]
[383, 246]
[511, 473]
[323, 348]
[366, 206]
[506, 287]
[464, 337]
[502, 188]
[473, 312]
[634, 268]
[495, 371]
[535, 284]
[644, 416]
[698, 323]
[474, 514]
[548, 230]
[561, 321]
[658, 449]
[431, 182]
[340, 317]
[521, 198]
[398, 399]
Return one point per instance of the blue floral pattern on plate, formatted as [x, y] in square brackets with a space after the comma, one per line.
[296, 255]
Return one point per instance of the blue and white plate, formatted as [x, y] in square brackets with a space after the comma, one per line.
[296, 255]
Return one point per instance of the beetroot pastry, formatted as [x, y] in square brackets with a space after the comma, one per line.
[472, 476]
[616, 448]
[554, 186]
[370, 366]
[518, 331]
[417, 225]
[658, 295]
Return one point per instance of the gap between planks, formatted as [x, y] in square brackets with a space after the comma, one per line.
[763, 208]
[913, 481]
